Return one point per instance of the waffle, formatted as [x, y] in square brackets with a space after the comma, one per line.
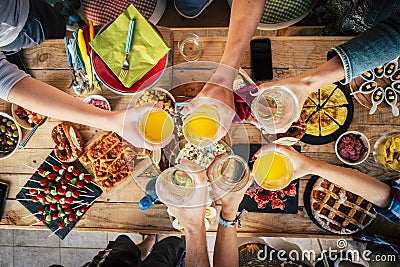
[337, 210]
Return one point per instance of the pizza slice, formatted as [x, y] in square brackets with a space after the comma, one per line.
[328, 125]
[312, 126]
[339, 114]
[307, 112]
[314, 97]
[337, 99]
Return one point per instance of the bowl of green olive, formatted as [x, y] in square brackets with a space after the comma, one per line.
[10, 136]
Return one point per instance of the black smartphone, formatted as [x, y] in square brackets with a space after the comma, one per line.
[3, 197]
[261, 60]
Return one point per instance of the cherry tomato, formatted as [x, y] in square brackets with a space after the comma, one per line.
[87, 179]
[64, 182]
[34, 199]
[64, 165]
[53, 207]
[40, 196]
[52, 176]
[41, 211]
[76, 172]
[61, 225]
[72, 217]
[61, 191]
[84, 208]
[68, 211]
[54, 216]
[68, 176]
[33, 191]
[41, 172]
[56, 168]
[64, 206]
[44, 182]
[69, 200]
[75, 194]
[79, 184]
[42, 220]
[56, 199]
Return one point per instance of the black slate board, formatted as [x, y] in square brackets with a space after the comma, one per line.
[34, 207]
[321, 140]
[248, 203]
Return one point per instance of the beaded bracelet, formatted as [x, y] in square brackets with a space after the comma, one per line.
[227, 224]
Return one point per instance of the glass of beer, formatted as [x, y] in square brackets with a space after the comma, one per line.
[156, 126]
[275, 108]
[200, 127]
[230, 173]
[175, 186]
[273, 170]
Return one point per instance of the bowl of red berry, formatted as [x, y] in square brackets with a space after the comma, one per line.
[352, 148]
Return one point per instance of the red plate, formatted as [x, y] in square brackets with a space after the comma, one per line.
[108, 78]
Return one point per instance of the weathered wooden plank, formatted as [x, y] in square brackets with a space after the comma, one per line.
[297, 52]
[126, 217]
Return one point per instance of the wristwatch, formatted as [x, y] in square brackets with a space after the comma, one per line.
[227, 224]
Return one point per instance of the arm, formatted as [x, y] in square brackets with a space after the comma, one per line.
[353, 180]
[191, 216]
[245, 16]
[372, 48]
[196, 246]
[226, 244]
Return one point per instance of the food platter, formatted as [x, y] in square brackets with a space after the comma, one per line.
[111, 160]
[328, 113]
[61, 190]
[334, 209]
[108, 78]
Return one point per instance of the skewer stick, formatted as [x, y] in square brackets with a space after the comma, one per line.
[53, 233]
[86, 196]
[26, 187]
[30, 167]
[56, 159]
[29, 215]
[36, 223]
[46, 162]
[89, 189]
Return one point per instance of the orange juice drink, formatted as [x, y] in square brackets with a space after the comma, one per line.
[200, 128]
[273, 171]
[156, 126]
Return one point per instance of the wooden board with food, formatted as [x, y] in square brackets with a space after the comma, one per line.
[111, 160]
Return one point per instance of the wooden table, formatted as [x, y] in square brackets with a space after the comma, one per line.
[118, 211]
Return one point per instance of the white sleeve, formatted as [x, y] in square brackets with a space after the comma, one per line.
[9, 76]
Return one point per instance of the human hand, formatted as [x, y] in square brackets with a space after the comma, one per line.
[192, 214]
[302, 165]
[230, 199]
[297, 85]
[128, 127]
[217, 92]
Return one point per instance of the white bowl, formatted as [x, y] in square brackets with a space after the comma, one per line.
[365, 142]
[97, 97]
[8, 154]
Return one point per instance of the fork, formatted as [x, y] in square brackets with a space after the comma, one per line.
[125, 65]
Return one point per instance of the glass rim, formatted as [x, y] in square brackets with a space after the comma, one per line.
[255, 103]
[275, 152]
[141, 131]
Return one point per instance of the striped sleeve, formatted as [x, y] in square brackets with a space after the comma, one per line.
[9, 76]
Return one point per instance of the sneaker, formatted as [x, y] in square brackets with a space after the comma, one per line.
[191, 8]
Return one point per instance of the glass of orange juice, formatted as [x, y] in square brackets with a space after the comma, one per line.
[156, 126]
[273, 170]
[200, 128]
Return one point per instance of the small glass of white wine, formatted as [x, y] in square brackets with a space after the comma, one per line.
[190, 48]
